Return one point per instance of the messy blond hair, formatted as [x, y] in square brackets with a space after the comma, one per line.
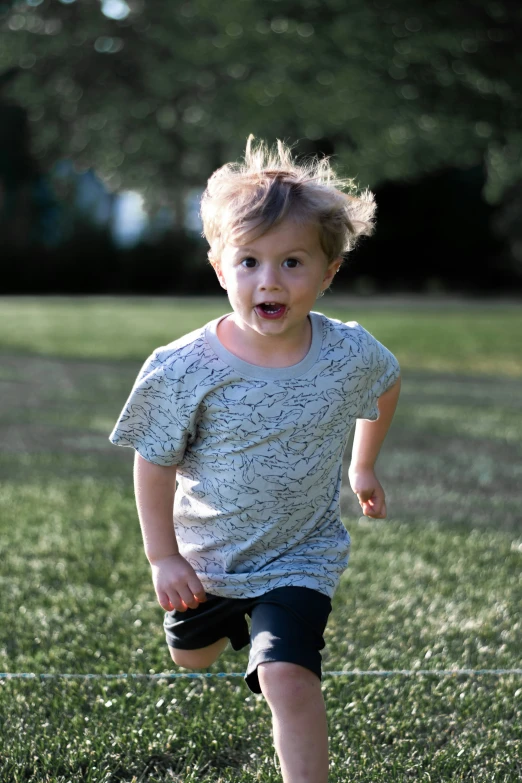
[251, 197]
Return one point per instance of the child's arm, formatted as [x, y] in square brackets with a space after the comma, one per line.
[175, 581]
[368, 439]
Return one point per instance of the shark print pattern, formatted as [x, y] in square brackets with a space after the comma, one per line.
[259, 452]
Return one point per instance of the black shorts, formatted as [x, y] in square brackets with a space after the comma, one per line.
[287, 624]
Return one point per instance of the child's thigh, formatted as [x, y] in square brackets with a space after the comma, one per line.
[198, 659]
[287, 626]
[196, 637]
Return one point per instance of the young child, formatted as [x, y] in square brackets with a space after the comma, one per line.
[251, 414]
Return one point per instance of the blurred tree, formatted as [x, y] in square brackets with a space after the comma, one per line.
[155, 96]
[18, 170]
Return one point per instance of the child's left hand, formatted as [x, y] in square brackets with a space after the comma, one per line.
[369, 492]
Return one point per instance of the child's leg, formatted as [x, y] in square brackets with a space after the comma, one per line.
[198, 659]
[287, 627]
[299, 721]
[197, 637]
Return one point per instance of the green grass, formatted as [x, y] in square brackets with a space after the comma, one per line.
[453, 337]
[436, 586]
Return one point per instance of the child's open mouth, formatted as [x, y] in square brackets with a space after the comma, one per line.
[270, 310]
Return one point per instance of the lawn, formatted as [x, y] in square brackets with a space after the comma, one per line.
[435, 586]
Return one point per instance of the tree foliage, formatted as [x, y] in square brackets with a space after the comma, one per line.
[160, 96]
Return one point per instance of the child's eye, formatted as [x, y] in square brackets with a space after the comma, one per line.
[292, 262]
[249, 262]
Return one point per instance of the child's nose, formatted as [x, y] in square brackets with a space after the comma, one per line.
[269, 280]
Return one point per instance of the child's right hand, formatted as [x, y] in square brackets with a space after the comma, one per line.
[176, 583]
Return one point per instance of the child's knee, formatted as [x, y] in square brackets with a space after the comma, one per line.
[290, 683]
[198, 659]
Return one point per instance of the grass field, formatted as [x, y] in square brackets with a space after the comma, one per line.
[436, 586]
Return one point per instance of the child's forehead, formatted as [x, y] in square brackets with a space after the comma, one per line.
[304, 236]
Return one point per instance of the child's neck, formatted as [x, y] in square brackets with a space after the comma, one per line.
[265, 350]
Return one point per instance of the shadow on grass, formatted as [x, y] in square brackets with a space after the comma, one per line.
[452, 455]
[77, 597]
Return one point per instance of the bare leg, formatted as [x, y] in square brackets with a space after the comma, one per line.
[199, 659]
[299, 721]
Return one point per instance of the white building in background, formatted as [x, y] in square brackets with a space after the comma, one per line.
[85, 196]
[129, 221]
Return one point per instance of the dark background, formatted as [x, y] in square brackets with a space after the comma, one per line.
[421, 102]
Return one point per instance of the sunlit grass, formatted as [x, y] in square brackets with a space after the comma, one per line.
[450, 338]
[77, 597]
[435, 586]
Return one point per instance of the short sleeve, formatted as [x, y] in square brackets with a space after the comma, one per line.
[156, 420]
[383, 371]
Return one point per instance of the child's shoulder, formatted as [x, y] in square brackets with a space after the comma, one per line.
[351, 336]
[175, 356]
[348, 329]
[181, 345]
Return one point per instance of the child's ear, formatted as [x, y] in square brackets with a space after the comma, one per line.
[331, 270]
[217, 269]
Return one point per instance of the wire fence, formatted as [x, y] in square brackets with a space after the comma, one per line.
[202, 675]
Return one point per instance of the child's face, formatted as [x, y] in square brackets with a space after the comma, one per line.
[273, 281]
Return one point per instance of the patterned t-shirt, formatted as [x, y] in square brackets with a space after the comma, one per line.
[259, 452]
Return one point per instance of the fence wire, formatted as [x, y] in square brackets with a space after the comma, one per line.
[201, 675]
